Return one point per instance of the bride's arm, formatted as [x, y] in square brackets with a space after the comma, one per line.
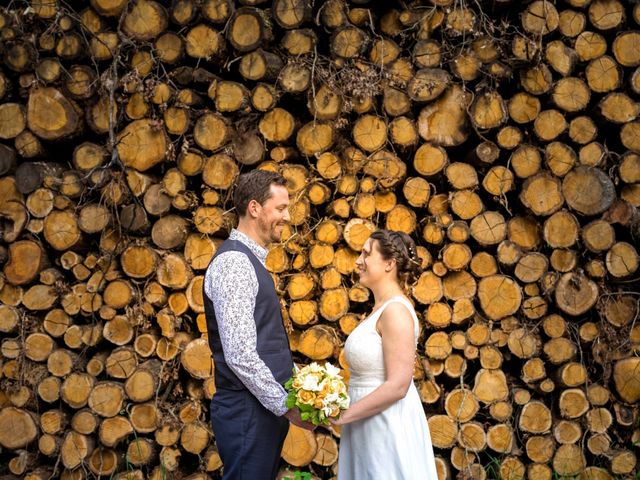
[398, 345]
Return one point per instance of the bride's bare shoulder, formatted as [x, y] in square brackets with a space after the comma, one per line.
[396, 315]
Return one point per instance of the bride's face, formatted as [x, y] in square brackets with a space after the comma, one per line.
[371, 267]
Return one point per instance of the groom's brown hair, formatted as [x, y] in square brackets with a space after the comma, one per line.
[255, 185]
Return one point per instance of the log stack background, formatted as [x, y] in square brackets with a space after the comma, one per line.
[504, 136]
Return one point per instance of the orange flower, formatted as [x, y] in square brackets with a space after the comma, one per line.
[306, 397]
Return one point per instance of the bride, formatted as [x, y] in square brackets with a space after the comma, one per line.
[385, 433]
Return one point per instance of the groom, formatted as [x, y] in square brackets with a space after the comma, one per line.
[247, 337]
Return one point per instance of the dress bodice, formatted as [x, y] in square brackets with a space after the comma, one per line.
[363, 348]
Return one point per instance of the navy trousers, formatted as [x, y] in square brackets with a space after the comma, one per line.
[249, 437]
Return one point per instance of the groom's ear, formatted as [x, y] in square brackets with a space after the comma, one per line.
[253, 208]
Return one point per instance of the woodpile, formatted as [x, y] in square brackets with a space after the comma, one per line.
[503, 136]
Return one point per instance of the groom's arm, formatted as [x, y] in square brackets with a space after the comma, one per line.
[232, 285]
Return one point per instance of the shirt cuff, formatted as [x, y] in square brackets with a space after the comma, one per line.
[281, 409]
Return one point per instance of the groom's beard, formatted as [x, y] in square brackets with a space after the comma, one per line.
[272, 230]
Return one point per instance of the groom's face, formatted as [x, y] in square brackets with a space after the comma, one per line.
[274, 214]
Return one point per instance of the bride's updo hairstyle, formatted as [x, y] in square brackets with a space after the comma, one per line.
[400, 247]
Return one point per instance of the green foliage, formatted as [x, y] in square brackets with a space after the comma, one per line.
[299, 475]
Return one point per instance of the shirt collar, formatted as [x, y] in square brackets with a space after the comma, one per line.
[258, 250]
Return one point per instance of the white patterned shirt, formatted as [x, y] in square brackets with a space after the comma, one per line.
[231, 284]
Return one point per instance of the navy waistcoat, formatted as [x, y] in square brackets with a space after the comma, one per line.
[272, 340]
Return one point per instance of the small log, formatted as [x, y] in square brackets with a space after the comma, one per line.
[575, 294]
[445, 431]
[536, 80]
[300, 447]
[573, 403]
[535, 418]
[594, 181]
[540, 449]
[75, 449]
[549, 124]
[582, 130]
[327, 452]
[315, 138]
[571, 23]
[348, 42]
[299, 41]
[120, 363]
[461, 405]
[246, 29]
[211, 132]
[67, 118]
[500, 437]
[561, 58]
[18, 428]
[139, 261]
[566, 431]
[49, 445]
[104, 461]
[472, 436]
[623, 462]
[49, 389]
[606, 14]
[26, 260]
[84, 421]
[627, 385]
[622, 259]
[501, 287]
[277, 125]
[488, 110]
[467, 66]
[170, 232]
[569, 460]
[571, 94]
[216, 11]
[13, 119]
[145, 20]
[334, 304]
[559, 350]
[590, 45]
[540, 18]
[114, 429]
[490, 386]
[599, 444]
[196, 359]
[142, 136]
[542, 194]
[318, 342]
[526, 161]
[144, 417]
[448, 129]
[141, 451]
[106, 398]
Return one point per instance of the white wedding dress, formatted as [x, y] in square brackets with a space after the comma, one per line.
[394, 444]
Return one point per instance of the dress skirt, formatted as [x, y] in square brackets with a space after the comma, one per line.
[392, 445]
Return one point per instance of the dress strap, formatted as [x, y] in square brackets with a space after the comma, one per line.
[406, 303]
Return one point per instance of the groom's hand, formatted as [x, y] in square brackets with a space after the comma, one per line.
[293, 416]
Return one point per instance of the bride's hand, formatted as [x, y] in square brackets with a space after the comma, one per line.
[336, 421]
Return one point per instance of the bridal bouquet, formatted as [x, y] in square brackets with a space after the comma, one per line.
[318, 391]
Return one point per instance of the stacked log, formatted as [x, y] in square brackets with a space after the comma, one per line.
[502, 136]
